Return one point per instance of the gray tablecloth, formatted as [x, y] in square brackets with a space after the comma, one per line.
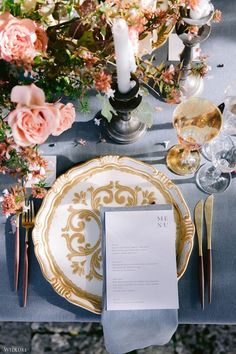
[43, 303]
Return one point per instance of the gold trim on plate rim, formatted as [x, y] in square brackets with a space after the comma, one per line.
[50, 269]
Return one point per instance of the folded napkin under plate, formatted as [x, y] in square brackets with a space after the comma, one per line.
[127, 330]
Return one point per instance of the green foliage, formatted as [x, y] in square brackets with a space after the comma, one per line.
[107, 108]
[12, 6]
[41, 184]
[144, 112]
[16, 161]
[84, 105]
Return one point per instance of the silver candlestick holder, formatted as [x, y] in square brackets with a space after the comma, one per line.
[125, 127]
[191, 85]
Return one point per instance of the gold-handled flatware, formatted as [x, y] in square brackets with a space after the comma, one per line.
[208, 211]
[28, 218]
[198, 216]
[17, 252]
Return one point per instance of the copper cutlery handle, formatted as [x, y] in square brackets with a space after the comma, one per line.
[209, 206]
[209, 273]
[17, 255]
[201, 279]
[26, 271]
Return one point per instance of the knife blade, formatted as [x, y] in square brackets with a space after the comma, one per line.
[198, 216]
[208, 211]
[17, 252]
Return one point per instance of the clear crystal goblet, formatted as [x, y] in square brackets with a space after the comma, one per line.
[215, 177]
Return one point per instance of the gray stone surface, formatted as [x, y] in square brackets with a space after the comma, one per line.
[87, 338]
[68, 338]
[15, 336]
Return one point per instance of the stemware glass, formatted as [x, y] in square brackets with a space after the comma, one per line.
[221, 142]
[229, 123]
[197, 121]
[216, 177]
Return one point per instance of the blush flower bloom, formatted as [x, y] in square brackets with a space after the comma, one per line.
[30, 95]
[13, 200]
[102, 81]
[66, 117]
[38, 192]
[31, 126]
[168, 75]
[20, 39]
[192, 4]
[174, 96]
[32, 121]
[217, 16]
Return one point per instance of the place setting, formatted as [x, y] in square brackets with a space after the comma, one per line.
[113, 235]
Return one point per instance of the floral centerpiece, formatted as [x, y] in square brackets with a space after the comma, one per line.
[51, 49]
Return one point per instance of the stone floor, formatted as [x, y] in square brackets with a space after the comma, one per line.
[87, 338]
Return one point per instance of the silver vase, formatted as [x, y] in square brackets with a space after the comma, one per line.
[192, 85]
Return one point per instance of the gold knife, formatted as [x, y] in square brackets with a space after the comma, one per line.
[208, 210]
[198, 216]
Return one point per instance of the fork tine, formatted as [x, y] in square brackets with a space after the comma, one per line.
[28, 213]
[24, 215]
[32, 211]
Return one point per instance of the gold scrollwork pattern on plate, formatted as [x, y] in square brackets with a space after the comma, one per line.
[77, 245]
[80, 250]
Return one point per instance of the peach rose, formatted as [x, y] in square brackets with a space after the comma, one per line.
[34, 120]
[20, 40]
[66, 117]
[28, 95]
[32, 126]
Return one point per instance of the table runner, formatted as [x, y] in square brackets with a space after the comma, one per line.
[43, 303]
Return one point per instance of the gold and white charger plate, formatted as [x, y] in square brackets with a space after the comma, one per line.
[67, 232]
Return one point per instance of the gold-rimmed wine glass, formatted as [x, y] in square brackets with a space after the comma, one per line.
[197, 121]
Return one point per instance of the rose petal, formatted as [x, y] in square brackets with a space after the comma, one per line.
[28, 95]
[37, 96]
[66, 118]
[4, 19]
[29, 24]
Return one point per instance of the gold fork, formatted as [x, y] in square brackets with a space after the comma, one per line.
[28, 218]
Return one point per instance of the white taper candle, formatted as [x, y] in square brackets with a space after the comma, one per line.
[122, 51]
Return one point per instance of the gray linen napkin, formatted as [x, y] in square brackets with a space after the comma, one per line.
[125, 331]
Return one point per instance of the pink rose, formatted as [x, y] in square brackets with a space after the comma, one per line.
[66, 117]
[20, 40]
[32, 126]
[29, 95]
[34, 120]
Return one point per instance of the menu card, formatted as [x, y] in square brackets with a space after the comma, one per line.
[140, 258]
